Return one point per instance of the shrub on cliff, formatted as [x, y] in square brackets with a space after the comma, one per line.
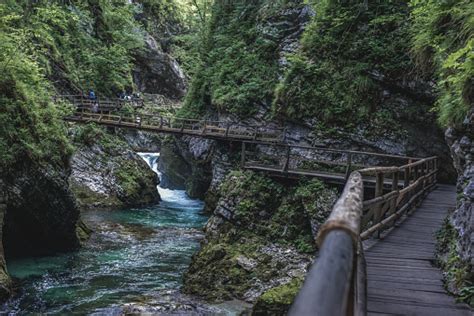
[443, 44]
[261, 232]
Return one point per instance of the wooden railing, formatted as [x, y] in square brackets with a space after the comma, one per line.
[109, 104]
[337, 283]
[176, 125]
[287, 160]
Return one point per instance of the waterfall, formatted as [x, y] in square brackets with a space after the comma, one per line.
[171, 196]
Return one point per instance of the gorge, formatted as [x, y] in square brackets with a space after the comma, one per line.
[346, 85]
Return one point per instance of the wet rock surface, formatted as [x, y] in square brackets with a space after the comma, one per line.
[107, 173]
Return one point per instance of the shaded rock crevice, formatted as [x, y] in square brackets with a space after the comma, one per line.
[42, 215]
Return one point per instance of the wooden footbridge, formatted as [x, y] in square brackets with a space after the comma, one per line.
[395, 275]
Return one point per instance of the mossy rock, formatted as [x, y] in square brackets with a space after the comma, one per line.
[277, 301]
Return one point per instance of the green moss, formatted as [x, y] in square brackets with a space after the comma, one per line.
[265, 213]
[87, 198]
[239, 63]
[278, 300]
[342, 48]
[459, 277]
[82, 231]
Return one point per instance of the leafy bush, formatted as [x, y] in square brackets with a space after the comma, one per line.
[30, 125]
[443, 44]
[334, 77]
[239, 68]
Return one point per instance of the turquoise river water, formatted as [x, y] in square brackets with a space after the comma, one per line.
[134, 255]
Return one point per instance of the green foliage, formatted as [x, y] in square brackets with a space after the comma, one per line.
[342, 49]
[90, 43]
[238, 67]
[458, 273]
[30, 126]
[443, 44]
[282, 215]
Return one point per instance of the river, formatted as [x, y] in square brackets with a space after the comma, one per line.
[135, 256]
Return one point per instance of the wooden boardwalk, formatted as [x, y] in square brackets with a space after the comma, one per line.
[400, 274]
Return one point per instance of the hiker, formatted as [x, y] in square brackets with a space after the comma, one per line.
[92, 95]
[93, 100]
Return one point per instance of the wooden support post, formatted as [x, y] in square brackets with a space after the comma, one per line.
[430, 169]
[242, 157]
[255, 133]
[416, 173]
[287, 160]
[161, 122]
[120, 119]
[204, 127]
[393, 207]
[349, 165]
[227, 130]
[182, 126]
[378, 192]
[407, 175]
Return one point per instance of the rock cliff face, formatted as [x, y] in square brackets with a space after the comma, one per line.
[259, 237]
[106, 173]
[156, 72]
[457, 237]
[42, 216]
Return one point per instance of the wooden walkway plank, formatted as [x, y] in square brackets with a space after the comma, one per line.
[401, 277]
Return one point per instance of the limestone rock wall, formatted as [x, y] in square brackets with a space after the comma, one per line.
[107, 173]
[461, 142]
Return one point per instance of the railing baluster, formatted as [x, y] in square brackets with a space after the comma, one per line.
[242, 158]
[378, 192]
[349, 165]
[287, 159]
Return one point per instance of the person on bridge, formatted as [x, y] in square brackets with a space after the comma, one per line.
[93, 99]
[92, 95]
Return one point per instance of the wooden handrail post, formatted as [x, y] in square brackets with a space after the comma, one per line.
[393, 207]
[287, 160]
[204, 127]
[161, 122]
[182, 126]
[242, 157]
[349, 165]
[227, 130]
[326, 289]
[378, 192]
[406, 177]
[255, 133]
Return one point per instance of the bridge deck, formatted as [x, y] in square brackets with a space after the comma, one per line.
[401, 277]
